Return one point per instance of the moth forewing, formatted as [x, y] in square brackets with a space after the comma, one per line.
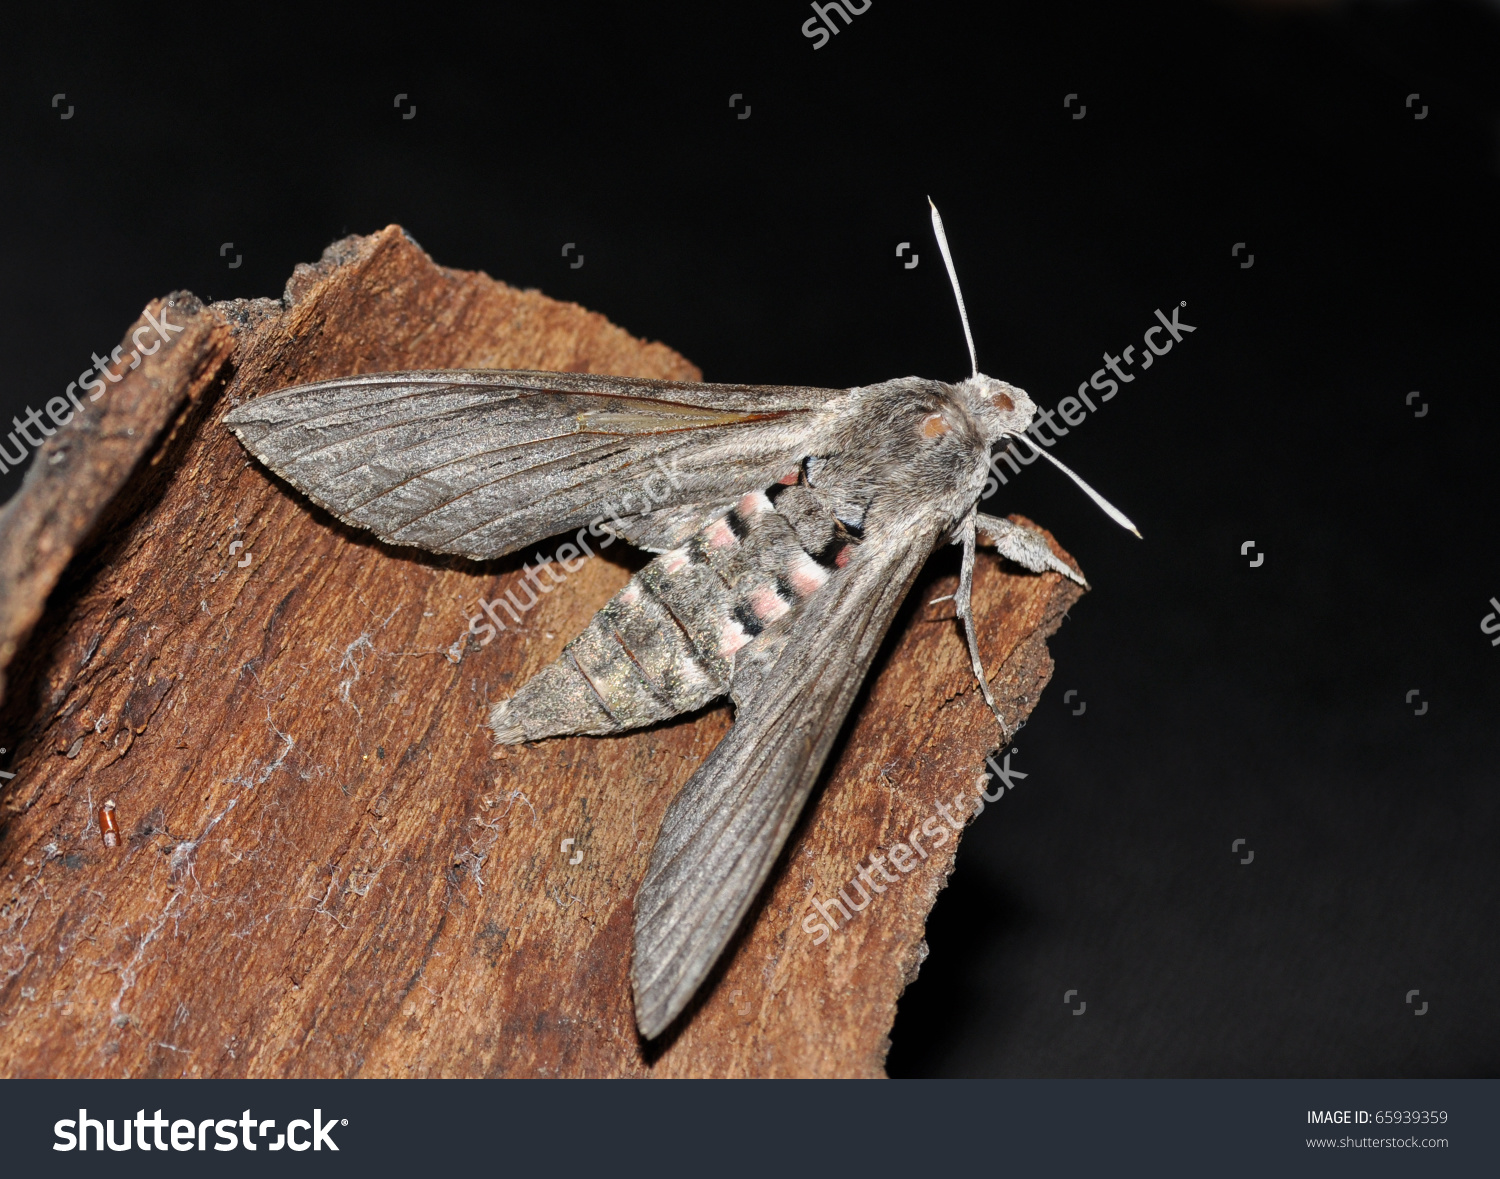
[723, 832]
[484, 463]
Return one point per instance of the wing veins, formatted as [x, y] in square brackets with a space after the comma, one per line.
[426, 388]
[371, 433]
[478, 454]
[483, 486]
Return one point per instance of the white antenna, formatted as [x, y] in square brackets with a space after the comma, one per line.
[1110, 510]
[942, 240]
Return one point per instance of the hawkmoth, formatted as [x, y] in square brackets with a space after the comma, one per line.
[790, 525]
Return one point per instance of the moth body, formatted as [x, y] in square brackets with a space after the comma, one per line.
[675, 637]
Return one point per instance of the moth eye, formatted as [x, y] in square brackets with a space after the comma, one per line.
[935, 425]
[1003, 401]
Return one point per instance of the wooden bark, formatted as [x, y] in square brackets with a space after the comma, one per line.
[325, 869]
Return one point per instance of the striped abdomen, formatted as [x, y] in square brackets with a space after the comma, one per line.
[667, 643]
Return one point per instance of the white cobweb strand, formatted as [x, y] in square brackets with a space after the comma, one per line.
[963, 315]
[1110, 510]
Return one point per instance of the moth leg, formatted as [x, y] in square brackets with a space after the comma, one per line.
[1025, 546]
[962, 599]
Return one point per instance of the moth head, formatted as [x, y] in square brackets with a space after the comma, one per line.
[999, 407]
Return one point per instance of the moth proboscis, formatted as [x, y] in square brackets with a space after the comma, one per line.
[791, 523]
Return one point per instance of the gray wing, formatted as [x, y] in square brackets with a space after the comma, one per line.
[723, 832]
[666, 529]
[485, 462]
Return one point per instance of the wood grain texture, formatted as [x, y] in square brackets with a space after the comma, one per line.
[325, 868]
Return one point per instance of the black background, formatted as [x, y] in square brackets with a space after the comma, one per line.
[1223, 702]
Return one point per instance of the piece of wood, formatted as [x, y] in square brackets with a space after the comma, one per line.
[325, 867]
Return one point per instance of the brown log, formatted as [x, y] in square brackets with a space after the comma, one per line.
[324, 867]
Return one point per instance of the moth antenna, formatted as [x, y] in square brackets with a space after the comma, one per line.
[1110, 510]
[964, 599]
[942, 240]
